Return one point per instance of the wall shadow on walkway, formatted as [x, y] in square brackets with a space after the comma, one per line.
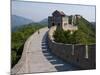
[59, 64]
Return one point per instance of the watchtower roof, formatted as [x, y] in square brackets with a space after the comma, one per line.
[59, 12]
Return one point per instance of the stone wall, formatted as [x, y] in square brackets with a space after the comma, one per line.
[82, 56]
[50, 21]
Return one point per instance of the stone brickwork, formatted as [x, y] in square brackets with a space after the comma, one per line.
[82, 56]
[61, 20]
[58, 19]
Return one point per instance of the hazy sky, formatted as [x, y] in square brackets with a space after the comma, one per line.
[39, 11]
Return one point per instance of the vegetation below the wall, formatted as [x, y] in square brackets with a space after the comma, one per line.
[18, 39]
[84, 35]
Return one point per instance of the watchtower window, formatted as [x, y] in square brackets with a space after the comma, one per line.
[65, 24]
[58, 24]
[53, 24]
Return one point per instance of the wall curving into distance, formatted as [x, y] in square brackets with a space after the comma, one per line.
[80, 55]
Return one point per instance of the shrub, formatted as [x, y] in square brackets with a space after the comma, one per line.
[84, 35]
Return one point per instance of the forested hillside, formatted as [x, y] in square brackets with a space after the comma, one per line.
[19, 20]
[18, 39]
[84, 35]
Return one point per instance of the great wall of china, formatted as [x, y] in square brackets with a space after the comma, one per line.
[77, 54]
[33, 60]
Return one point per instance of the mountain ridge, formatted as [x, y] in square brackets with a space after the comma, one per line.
[19, 20]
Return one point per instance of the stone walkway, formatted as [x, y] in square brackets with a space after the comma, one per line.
[36, 57]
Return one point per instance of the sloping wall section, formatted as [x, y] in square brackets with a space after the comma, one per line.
[82, 56]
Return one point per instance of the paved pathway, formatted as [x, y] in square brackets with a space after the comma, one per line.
[37, 57]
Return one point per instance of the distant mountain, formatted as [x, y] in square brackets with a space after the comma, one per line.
[18, 20]
[44, 21]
